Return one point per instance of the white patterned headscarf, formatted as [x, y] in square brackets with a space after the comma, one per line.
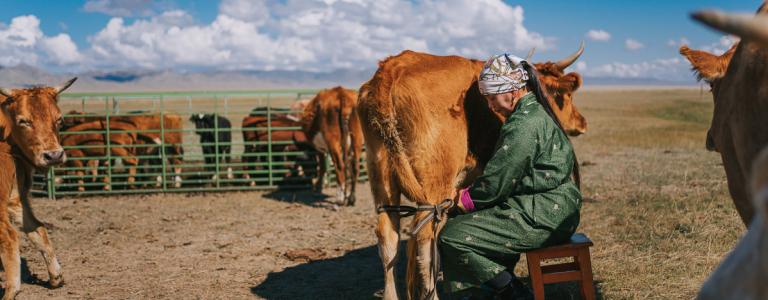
[502, 74]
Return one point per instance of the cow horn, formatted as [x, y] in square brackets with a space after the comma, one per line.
[570, 59]
[745, 26]
[64, 86]
[530, 54]
[6, 92]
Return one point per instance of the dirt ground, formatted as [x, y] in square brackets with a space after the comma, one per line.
[656, 206]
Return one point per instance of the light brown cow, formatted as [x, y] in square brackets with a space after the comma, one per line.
[428, 130]
[738, 129]
[330, 121]
[740, 108]
[30, 140]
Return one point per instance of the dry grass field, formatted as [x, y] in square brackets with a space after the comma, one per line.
[656, 206]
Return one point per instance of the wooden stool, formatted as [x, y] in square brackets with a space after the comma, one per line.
[579, 270]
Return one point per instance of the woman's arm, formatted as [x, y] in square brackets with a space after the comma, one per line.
[512, 161]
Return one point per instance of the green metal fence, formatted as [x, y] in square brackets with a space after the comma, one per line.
[103, 164]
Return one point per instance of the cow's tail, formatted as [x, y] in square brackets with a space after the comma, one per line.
[377, 111]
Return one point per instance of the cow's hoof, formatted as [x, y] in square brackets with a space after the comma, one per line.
[56, 282]
[351, 201]
[10, 293]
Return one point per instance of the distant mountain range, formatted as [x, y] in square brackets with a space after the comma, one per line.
[150, 81]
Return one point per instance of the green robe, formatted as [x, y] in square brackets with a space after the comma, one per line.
[525, 200]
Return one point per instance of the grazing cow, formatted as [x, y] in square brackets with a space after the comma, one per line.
[205, 125]
[30, 140]
[738, 129]
[122, 138]
[428, 131]
[330, 121]
[258, 139]
[740, 103]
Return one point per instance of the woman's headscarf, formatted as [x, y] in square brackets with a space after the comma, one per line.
[502, 74]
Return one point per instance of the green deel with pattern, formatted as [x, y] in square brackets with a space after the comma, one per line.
[525, 200]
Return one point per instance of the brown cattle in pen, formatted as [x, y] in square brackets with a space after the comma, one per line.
[122, 137]
[30, 140]
[428, 131]
[257, 139]
[331, 123]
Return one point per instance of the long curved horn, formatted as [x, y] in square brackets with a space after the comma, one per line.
[530, 54]
[6, 92]
[745, 26]
[64, 86]
[570, 59]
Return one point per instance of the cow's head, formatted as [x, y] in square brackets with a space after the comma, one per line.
[32, 120]
[710, 68]
[560, 86]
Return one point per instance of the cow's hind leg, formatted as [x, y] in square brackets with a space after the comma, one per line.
[420, 281]
[386, 192]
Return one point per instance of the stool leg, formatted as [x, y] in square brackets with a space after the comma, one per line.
[534, 270]
[586, 283]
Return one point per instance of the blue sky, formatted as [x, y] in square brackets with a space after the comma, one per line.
[630, 38]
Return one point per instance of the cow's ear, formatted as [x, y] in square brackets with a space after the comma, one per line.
[569, 83]
[707, 66]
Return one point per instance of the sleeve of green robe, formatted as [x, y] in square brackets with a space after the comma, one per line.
[513, 160]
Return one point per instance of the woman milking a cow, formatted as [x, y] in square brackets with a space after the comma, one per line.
[526, 197]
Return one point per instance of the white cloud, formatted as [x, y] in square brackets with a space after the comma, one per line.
[677, 43]
[598, 35]
[723, 44]
[120, 8]
[24, 42]
[632, 44]
[317, 35]
[669, 69]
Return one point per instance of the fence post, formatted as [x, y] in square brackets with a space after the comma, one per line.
[51, 179]
[163, 155]
[269, 139]
[216, 140]
[108, 141]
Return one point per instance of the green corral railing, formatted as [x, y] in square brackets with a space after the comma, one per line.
[102, 166]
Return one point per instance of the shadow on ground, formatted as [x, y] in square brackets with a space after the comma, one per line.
[356, 275]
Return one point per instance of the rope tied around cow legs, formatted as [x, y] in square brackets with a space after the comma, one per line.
[438, 212]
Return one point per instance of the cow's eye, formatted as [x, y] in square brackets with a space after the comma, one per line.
[59, 123]
[25, 122]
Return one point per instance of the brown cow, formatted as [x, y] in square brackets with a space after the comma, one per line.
[738, 129]
[428, 130]
[330, 121]
[151, 136]
[121, 138]
[739, 132]
[258, 140]
[30, 140]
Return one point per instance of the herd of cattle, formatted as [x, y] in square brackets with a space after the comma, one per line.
[141, 140]
[427, 130]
